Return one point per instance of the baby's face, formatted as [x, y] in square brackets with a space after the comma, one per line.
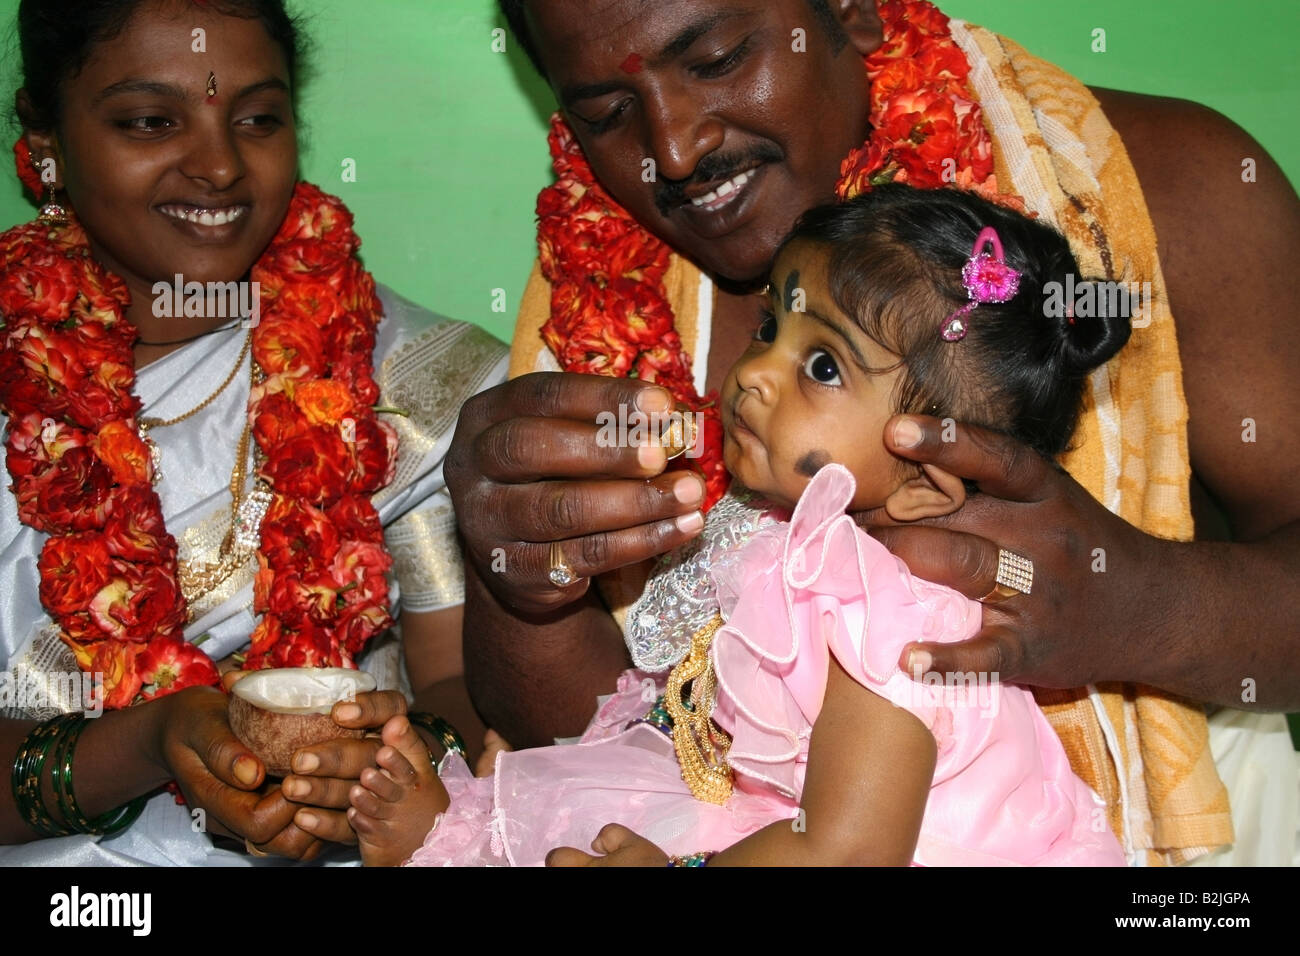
[805, 395]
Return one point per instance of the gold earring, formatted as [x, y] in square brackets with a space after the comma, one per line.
[52, 212]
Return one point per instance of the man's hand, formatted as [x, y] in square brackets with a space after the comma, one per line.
[1074, 626]
[614, 845]
[526, 469]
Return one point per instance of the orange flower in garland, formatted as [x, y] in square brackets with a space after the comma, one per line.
[323, 473]
[926, 129]
[610, 314]
[82, 475]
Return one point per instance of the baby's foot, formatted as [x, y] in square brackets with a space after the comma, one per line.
[394, 808]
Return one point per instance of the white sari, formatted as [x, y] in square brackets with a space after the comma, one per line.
[427, 366]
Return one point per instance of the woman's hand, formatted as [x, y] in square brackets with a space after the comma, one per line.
[220, 776]
[1096, 584]
[615, 845]
[526, 468]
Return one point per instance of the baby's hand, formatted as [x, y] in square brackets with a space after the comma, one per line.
[395, 806]
[493, 744]
[617, 845]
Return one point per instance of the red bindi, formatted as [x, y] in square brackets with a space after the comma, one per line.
[632, 64]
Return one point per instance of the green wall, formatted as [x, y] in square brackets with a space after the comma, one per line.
[449, 137]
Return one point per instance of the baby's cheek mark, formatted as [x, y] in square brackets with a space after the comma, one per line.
[632, 64]
[812, 463]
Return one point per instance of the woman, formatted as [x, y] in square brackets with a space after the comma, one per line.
[174, 164]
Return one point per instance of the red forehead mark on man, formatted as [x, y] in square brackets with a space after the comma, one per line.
[632, 64]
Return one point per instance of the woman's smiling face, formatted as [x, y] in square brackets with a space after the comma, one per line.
[164, 178]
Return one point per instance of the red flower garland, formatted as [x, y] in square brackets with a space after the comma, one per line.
[610, 313]
[109, 574]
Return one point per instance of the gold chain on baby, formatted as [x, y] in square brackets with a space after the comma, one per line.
[700, 743]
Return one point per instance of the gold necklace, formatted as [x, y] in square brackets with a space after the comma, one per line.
[146, 424]
[243, 538]
[700, 743]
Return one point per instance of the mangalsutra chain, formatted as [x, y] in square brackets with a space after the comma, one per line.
[243, 538]
[144, 425]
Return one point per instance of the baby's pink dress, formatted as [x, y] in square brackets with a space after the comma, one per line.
[794, 595]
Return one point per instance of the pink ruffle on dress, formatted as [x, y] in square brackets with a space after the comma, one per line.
[793, 596]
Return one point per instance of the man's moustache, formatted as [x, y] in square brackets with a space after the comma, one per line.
[712, 169]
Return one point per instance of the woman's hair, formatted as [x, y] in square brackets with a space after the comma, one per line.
[896, 257]
[56, 38]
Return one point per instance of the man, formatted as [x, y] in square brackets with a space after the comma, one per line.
[746, 131]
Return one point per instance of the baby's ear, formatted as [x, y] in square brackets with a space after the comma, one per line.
[932, 493]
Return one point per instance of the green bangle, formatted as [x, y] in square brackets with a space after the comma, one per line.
[28, 769]
[56, 741]
[113, 821]
[442, 731]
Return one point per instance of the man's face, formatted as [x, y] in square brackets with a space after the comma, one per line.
[746, 119]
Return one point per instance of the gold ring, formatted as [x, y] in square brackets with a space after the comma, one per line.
[561, 575]
[1015, 576]
[252, 850]
[680, 432]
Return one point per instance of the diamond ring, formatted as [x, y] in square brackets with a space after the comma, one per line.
[1015, 576]
[561, 575]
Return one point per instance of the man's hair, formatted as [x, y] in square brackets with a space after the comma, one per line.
[513, 11]
[895, 264]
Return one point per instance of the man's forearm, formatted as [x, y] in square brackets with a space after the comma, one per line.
[1224, 627]
[537, 678]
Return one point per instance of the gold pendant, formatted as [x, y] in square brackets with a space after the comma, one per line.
[247, 526]
[242, 540]
[155, 453]
[700, 743]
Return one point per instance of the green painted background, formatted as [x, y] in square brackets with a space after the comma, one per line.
[449, 137]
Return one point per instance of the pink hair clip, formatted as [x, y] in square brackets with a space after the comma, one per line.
[987, 278]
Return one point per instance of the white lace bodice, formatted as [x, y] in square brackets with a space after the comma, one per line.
[680, 597]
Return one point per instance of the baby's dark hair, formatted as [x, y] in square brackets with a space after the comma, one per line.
[56, 38]
[896, 256]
